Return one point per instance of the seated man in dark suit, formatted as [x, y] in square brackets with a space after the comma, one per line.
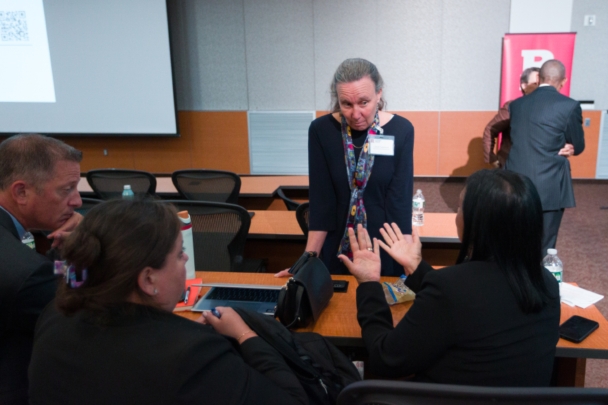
[38, 190]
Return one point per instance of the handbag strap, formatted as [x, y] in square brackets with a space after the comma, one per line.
[301, 261]
[299, 296]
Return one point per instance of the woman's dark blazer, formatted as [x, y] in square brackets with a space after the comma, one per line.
[147, 356]
[387, 196]
[465, 327]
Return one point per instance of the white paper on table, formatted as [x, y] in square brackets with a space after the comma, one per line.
[580, 297]
[25, 62]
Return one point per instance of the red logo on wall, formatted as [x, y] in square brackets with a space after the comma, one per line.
[521, 51]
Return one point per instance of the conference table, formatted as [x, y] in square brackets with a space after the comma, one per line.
[276, 237]
[438, 227]
[339, 324]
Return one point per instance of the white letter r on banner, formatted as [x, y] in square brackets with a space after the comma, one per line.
[535, 57]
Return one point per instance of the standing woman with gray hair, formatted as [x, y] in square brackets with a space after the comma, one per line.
[360, 166]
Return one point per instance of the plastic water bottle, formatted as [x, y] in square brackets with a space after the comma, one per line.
[188, 243]
[552, 263]
[418, 209]
[28, 239]
[127, 193]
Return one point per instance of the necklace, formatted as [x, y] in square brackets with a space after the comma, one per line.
[364, 136]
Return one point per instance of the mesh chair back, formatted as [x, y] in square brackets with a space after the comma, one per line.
[87, 204]
[289, 203]
[109, 183]
[406, 392]
[208, 185]
[219, 232]
[302, 213]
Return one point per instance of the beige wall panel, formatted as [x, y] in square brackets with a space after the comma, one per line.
[119, 152]
[446, 144]
[585, 164]
[219, 140]
[460, 141]
[426, 140]
[164, 155]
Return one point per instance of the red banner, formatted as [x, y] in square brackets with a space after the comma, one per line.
[521, 51]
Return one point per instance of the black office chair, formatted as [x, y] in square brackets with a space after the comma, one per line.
[219, 232]
[405, 392]
[109, 183]
[87, 204]
[291, 205]
[302, 214]
[207, 185]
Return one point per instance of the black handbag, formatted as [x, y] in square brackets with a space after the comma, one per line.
[306, 294]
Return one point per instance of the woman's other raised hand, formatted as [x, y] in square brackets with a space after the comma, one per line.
[405, 249]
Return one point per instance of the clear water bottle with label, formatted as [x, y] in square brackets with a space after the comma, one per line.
[552, 263]
[28, 239]
[188, 243]
[418, 209]
[127, 193]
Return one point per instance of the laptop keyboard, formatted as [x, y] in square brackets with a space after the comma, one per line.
[244, 294]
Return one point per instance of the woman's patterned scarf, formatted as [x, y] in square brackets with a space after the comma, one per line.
[358, 173]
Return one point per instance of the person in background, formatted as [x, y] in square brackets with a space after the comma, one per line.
[356, 178]
[528, 82]
[546, 129]
[111, 337]
[490, 320]
[38, 191]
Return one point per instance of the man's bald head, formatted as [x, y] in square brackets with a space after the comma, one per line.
[553, 72]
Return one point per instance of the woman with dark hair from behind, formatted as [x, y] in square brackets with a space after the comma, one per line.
[111, 336]
[492, 319]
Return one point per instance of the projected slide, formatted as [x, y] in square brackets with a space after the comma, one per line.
[25, 71]
[86, 67]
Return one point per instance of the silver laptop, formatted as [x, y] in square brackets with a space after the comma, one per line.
[258, 298]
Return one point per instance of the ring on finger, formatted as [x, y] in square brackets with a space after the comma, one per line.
[370, 249]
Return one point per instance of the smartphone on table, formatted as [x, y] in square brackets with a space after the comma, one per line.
[577, 328]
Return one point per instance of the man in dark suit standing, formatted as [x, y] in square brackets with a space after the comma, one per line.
[546, 128]
[38, 190]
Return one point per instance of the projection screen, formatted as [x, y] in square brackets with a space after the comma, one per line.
[86, 67]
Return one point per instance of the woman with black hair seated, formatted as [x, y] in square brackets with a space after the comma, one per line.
[111, 336]
[492, 319]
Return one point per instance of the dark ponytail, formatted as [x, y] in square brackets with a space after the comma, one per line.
[114, 242]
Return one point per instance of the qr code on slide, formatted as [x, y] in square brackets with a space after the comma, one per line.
[13, 26]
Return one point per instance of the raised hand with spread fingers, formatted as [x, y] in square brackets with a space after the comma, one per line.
[365, 265]
[406, 250]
